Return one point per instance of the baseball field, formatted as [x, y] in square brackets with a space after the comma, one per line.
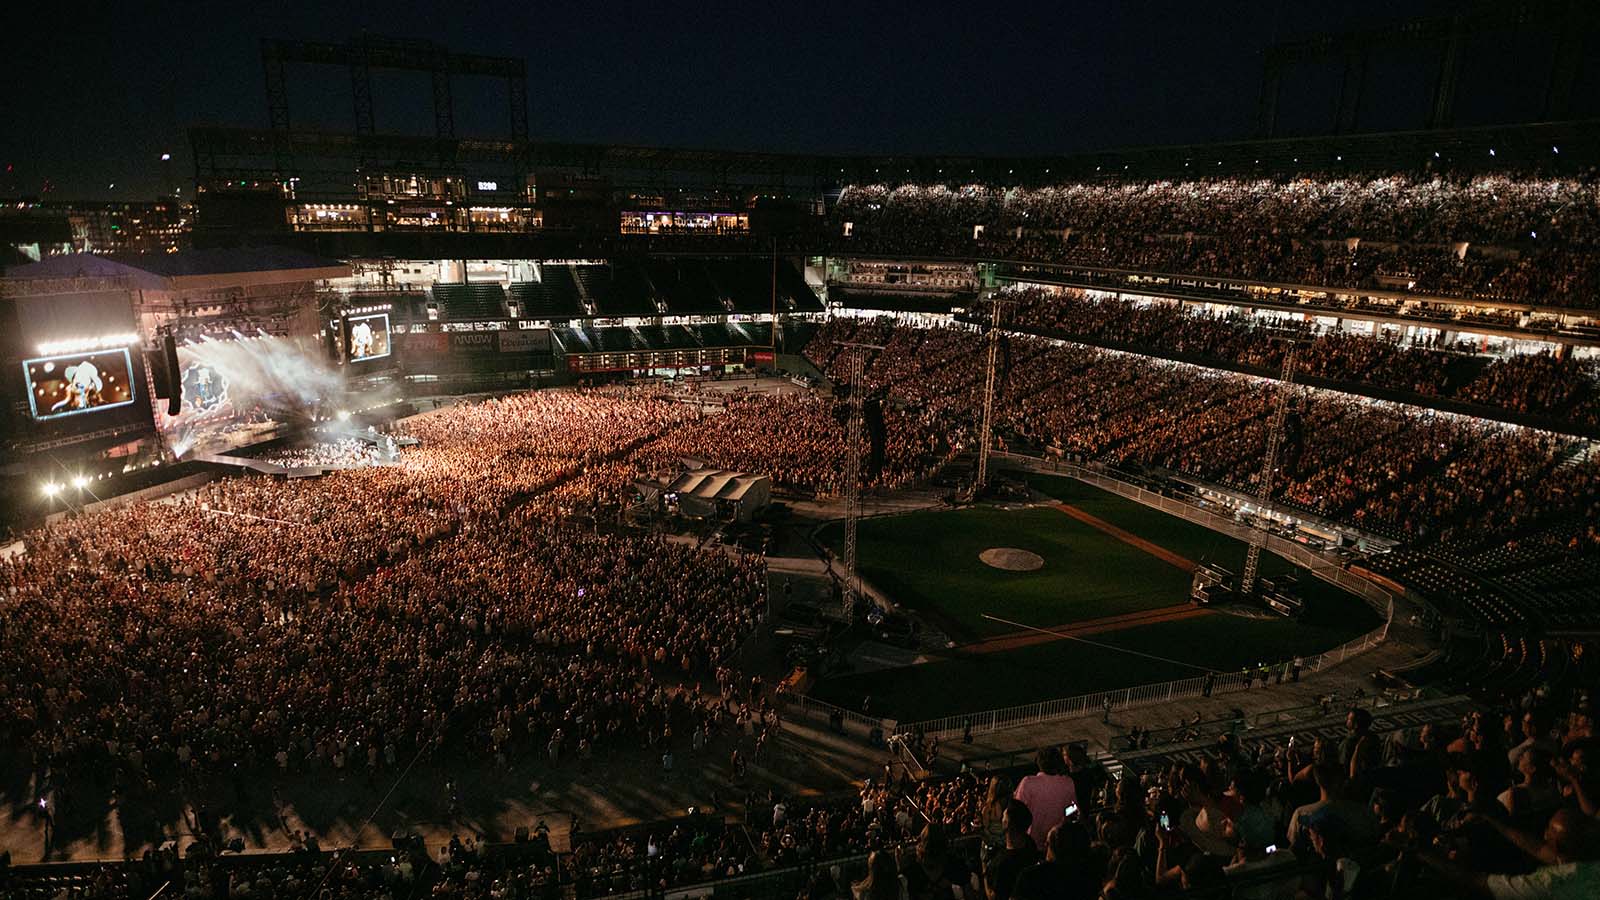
[1095, 597]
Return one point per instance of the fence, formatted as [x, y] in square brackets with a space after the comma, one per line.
[1149, 694]
[784, 883]
[852, 723]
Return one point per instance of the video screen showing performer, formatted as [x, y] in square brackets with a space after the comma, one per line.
[369, 337]
[74, 383]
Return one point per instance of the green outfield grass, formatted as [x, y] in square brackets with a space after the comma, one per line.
[929, 561]
[1325, 604]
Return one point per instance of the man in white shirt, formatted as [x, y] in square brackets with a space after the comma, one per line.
[1569, 857]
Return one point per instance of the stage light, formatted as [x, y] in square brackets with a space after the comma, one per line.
[54, 348]
[51, 489]
[80, 482]
[344, 415]
[166, 157]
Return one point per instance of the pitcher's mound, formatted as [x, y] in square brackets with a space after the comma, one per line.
[1011, 559]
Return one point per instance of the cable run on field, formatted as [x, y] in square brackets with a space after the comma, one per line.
[1073, 637]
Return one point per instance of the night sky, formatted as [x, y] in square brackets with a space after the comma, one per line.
[93, 97]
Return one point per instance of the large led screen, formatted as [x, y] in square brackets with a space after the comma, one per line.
[74, 383]
[205, 388]
[369, 337]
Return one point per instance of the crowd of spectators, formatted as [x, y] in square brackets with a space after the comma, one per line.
[799, 440]
[345, 453]
[359, 620]
[1405, 471]
[1565, 390]
[1510, 237]
[1502, 804]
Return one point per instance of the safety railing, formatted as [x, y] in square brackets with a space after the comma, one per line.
[1132, 697]
[841, 719]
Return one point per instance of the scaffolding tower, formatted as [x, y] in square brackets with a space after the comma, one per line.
[1269, 465]
[857, 360]
[986, 433]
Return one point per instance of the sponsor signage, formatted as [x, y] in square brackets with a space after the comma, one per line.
[531, 340]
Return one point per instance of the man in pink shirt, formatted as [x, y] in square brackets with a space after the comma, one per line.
[1047, 794]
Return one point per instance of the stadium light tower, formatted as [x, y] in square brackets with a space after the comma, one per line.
[1269, 465]
[857, 353]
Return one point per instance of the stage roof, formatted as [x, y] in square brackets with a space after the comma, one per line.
[189, 268]
[721, 484]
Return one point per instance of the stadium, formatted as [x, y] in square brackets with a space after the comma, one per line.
[501, 517]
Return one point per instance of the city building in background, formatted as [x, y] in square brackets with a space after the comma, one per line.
[33, 229]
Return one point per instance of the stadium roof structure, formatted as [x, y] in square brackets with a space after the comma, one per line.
[224, 155]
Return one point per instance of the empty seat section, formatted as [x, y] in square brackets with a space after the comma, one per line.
[620, 289]
[556, 297]
[470, 302]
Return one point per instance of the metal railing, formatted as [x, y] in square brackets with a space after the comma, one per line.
[1133, 697]
[784, 882]
[853, 723]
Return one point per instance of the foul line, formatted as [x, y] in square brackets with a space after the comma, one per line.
[1073, 637]
[1127, 537]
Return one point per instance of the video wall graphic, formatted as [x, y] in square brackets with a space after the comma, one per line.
[205, 387]
[72, 384]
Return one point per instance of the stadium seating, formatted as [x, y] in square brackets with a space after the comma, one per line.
[1519, 237]
[1534, 388]
[470, 302]
[1478, 555]
[555, 298]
